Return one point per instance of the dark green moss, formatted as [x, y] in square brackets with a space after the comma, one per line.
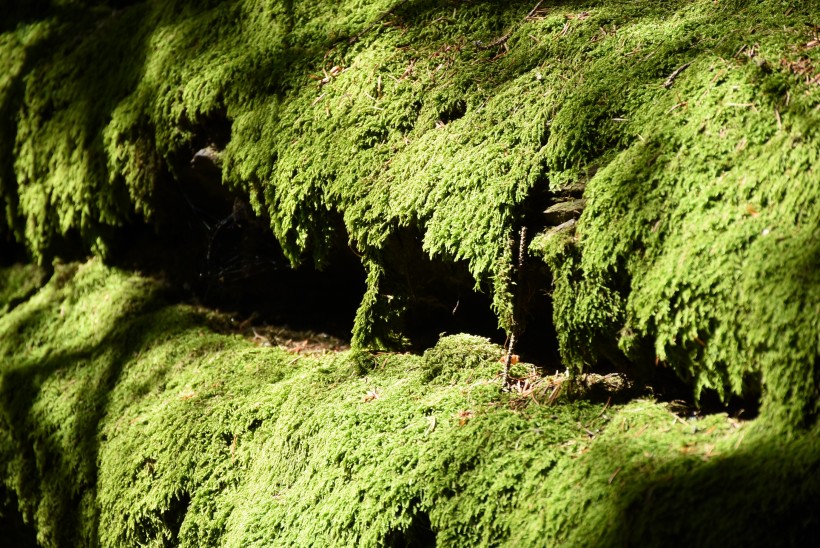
[18, 283]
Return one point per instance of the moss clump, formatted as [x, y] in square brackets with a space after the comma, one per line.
[125, 421]
[456, 355]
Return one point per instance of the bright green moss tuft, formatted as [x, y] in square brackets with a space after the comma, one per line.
[697, 248]
[456, 355]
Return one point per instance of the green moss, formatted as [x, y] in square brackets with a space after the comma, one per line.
[457, 355]
[128, 422]
[711, 268]
[17, 284]
[697, 248]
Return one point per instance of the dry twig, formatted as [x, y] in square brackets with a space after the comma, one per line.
[522, 252]
[675, 73]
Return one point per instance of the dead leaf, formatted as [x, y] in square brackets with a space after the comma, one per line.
[464, 416]
[514, 358]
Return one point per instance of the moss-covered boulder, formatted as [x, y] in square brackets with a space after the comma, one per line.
[692, 126]
[128, 421]
[660, 160]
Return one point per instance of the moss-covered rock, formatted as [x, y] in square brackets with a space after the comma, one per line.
[126, 421]
[698, 244]
[692, 123]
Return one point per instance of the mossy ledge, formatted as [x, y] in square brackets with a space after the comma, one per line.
[691, 125]
[128, 421]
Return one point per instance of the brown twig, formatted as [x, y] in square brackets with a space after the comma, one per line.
[517, 304]
[608, 401]
[506, 375]
[533, 10]
[675, 73]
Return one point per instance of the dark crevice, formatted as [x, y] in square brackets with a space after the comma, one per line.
[665, 385]
[14, 531]
[244, 270]
[17, 301]
[174, 515]
[537, 339]
[453, 112]
[12, 252]
[217, 252]
[419, 534]
[70, 246]
[214, 251]
[438, 295]
[211, 129]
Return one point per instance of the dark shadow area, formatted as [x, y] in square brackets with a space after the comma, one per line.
[438, 295]
[665, 385]
[537, 340]
[175, 515]
[453, 112]
[18, 300]
[419, 534]
[215, 251]
[11, 252]
[14, 532]
[21, 12]
[764, 495]
[16, 12]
